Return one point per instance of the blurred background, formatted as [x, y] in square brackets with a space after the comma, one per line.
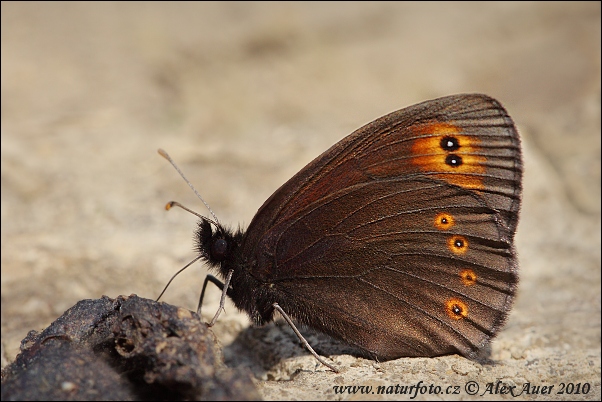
[242, 96]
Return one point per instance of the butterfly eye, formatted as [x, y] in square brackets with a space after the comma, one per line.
[219, 249]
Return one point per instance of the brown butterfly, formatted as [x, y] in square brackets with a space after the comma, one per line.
[397, 240]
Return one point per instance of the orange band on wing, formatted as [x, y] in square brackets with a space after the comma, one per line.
[458, 164]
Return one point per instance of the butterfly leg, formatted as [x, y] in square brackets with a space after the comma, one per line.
[302, 339]
[223, 287]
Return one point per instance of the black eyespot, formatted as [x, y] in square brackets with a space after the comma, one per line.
[453, 160]
[457, 310]
[219, 249]
[449, 144]
[459, 243]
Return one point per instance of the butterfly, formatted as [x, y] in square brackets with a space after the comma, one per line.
[399, 239]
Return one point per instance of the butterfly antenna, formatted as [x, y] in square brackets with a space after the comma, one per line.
[176, 274]
[166, 156]
[172, 204]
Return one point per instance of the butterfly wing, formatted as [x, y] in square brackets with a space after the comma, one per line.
[399, 238]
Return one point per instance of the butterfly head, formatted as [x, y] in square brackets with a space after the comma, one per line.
[216, 244]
